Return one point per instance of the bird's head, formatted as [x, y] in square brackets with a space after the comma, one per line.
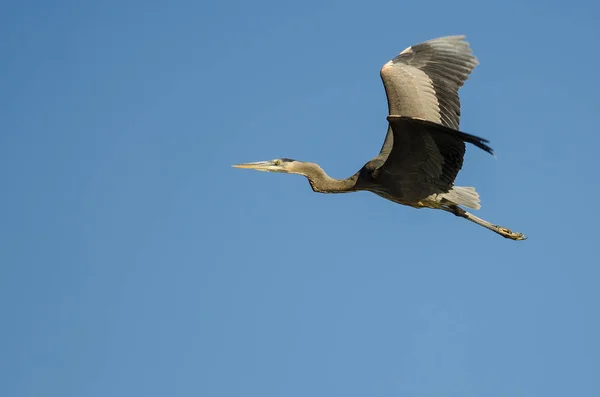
[285, 165]
[318, 179]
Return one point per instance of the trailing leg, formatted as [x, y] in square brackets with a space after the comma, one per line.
[504, 232]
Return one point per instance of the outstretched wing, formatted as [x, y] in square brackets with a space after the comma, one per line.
[425, 158]
[424, 79]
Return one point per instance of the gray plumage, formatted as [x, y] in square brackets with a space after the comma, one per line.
[423, 150]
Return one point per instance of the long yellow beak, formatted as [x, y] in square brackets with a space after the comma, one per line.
[258, 165]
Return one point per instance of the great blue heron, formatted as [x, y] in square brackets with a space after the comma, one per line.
[423, 150]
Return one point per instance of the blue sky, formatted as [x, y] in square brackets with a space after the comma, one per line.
[136, 261]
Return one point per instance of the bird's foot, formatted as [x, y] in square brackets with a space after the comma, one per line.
[504, 232]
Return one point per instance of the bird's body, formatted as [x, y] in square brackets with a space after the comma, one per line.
[423, 149]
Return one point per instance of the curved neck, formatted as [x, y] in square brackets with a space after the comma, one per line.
[323, 183]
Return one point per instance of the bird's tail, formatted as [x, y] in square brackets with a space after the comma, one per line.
[463, 195]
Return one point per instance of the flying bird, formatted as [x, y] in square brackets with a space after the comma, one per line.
[424, 149]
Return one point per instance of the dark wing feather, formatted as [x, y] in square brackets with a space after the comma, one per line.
[424, 79]
[425, 158]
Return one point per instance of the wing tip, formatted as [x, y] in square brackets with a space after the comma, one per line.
[480, 142]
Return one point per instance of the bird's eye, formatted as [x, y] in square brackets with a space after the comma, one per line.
[277, 162]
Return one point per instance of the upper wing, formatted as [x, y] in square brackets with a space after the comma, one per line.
[424, 79]
[425, 158]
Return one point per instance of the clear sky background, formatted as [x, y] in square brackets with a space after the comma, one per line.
[134, 261]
